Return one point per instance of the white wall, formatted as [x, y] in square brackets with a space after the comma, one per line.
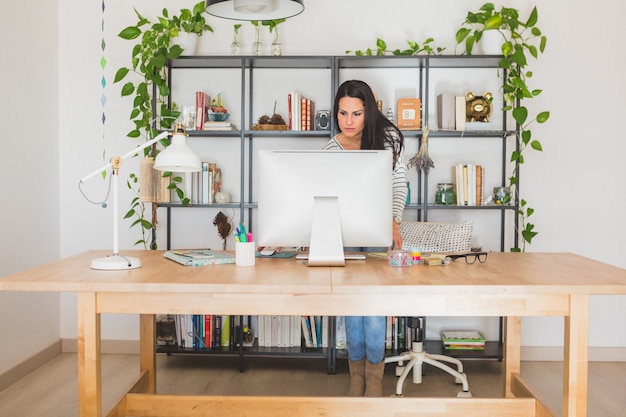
[573, 185]
[29, 223]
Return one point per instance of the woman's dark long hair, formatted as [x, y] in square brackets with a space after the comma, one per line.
[378, 129]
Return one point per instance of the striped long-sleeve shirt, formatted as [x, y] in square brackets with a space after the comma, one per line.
[398, 177]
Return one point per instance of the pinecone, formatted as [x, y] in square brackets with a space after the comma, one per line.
[277, 119]
[264, 120]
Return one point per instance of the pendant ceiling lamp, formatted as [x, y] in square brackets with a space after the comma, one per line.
[254, 9]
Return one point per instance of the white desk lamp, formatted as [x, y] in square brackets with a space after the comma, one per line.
[177, 157]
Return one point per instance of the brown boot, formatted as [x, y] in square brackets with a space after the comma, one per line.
[357, 378]
[374, 379]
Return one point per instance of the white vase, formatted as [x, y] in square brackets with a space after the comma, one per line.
[187, 41]
[491, 42]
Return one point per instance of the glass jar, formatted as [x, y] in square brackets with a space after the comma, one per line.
[445, 194]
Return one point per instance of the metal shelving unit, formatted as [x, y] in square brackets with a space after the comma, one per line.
[423, 65]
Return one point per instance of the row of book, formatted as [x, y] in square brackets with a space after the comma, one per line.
[469, 184]
[301, 110]
[199, 331]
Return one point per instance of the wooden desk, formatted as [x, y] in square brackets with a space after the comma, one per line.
[508, 284]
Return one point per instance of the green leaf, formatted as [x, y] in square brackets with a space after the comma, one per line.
[381, 45]
[494, 22]
[128, 89]
[536, 145]
[461, 34]
[120, 74]
[129, 33]
[520, 114]
[543, 117]
[532, 19]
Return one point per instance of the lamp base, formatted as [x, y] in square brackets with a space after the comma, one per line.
[115, 263]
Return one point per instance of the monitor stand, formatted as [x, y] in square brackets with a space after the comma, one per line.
[326, 248]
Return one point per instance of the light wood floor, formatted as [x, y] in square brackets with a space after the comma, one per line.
[51, 390]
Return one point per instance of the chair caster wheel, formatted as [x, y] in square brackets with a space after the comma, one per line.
[399, 370]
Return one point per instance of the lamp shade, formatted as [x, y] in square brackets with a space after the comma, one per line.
[254, 9]
[178, 157]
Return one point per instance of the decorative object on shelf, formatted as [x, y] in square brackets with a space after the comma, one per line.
[235, 46]
[217, 111]
[222, 198]
[276, 48]
[254, 9]
[501, 195]
[520, 37]
[275, 122]
[322, 120]
[491, 42]
[428, 48]
[257, 47]
[478, 108]
[409, 113]
[421, 161]
[223, 227]
[176, 157]
[445, 194]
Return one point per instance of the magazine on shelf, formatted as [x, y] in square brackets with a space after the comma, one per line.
[199, 257]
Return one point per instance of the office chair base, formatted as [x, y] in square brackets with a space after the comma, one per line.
[416, 357]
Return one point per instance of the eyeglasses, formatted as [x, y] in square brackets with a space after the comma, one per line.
[470, 257]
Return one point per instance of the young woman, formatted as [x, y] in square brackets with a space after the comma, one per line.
[362, 126]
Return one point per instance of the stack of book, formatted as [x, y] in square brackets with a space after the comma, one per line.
[469, 184]
[463, 339]
[301, 111]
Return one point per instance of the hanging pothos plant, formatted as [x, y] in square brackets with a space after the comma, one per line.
[521, 40]
[428, 47]
[148, 65]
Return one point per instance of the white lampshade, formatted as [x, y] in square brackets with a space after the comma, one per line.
[254, 9]
[178, 157]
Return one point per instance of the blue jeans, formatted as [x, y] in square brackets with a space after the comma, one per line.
[365, 337]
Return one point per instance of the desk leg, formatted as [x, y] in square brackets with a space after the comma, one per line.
[575, 365]
[89, 360]
[147, 350]
[512, 343]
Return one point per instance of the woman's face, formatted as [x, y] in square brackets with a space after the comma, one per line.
[351, 116]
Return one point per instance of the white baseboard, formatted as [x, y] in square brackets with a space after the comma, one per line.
[555, 354]
[29, 365]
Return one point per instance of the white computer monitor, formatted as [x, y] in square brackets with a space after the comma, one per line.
[324, 200]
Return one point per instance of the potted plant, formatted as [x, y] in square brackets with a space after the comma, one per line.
[521, 40]
[192, 24]
[149, 59]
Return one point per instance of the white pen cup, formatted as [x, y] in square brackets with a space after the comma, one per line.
[244, 253]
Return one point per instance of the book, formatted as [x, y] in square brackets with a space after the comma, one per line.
[459, 106]
[306, 332]
[202, 106]
[199, 257]
[446, 113]
[463, 339]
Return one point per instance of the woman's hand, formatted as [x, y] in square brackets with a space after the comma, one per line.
[397, 237]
